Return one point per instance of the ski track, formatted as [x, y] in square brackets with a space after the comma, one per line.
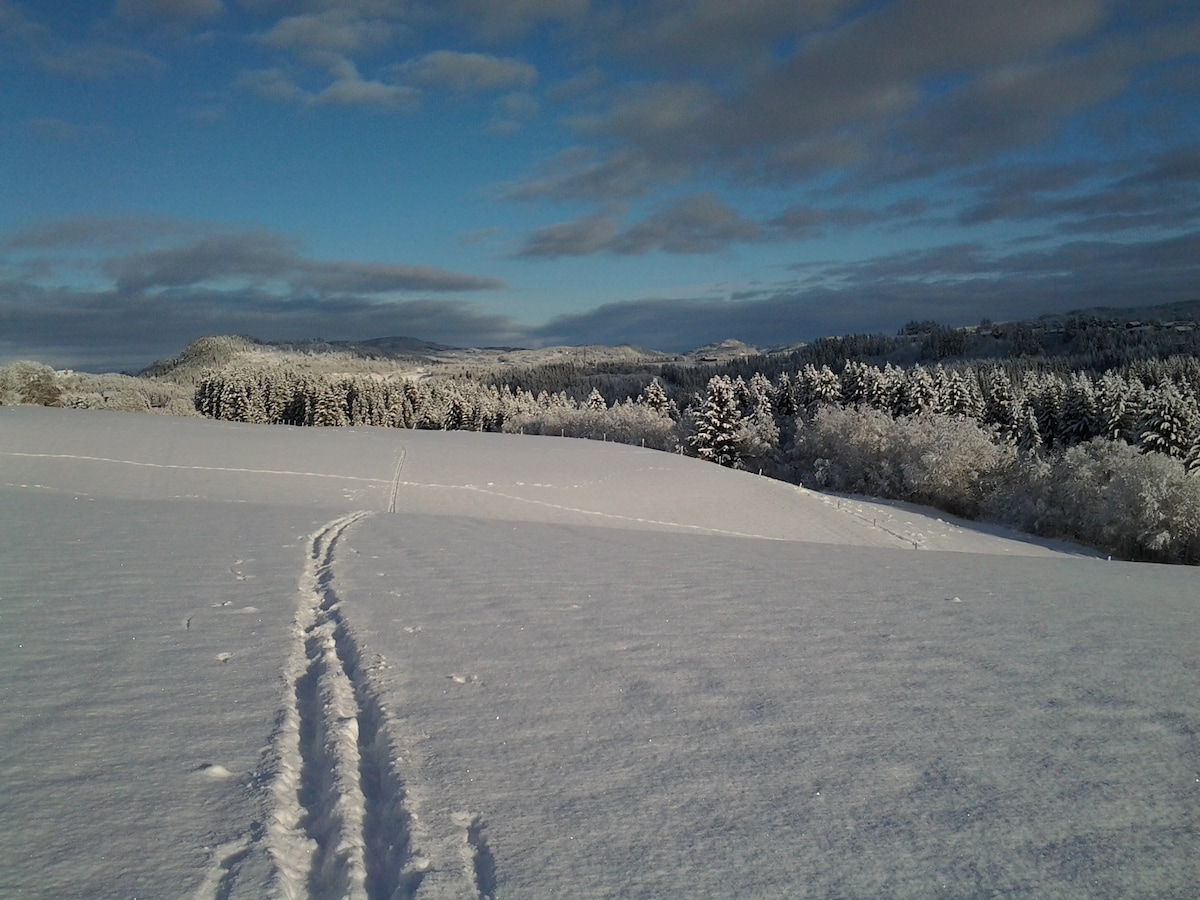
[396, 478]
[343, 823]
[150, 465]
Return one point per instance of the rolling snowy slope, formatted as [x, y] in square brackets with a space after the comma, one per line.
[241, 661]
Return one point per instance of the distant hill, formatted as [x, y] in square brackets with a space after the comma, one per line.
[1098, 337]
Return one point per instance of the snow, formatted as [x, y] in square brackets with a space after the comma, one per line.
[247, 661]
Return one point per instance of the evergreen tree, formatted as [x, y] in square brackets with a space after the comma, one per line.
[596, 400]
[1168, 424]
[1080, 418]
[1001, 408]
[919, 392]
[719, 427]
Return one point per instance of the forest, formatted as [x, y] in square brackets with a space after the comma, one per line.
[1084, 428]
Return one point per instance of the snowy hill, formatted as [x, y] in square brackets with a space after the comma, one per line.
[244, 661]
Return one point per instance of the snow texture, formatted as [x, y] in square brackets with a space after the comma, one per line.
[241, 661]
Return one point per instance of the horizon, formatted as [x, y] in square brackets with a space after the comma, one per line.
[663, 175]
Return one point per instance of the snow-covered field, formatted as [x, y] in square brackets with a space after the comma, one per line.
[248, 661]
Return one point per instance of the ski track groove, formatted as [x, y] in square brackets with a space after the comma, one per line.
[391, 508]
[340, 825]
[151, 465]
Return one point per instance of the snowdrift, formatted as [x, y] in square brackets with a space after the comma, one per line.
[246, 661]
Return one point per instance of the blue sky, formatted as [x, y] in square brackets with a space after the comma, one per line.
[666, 173]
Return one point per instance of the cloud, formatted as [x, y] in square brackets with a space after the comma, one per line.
[700, 224]
[264, 257]
[26, 41]
[803, 221]
[337, 32]
[513, 19]
[468, 72]
[346, 89]
[351, 90]
[98, 60]
[168, 11]
[383, 278]
[956, 284]
[84, 232]
[580, 238]
[17, 29]
[213, 257]
[108, 330]
[1162, 192]
[61, 130]
[512, 111]
[147, 301]
[696, 224]
[706, 34]
[783, 93]
[581, 174]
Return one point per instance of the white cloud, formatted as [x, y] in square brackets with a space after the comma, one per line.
[468, 72]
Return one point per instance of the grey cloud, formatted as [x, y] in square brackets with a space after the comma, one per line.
[580, 238]
[880, 93]
[514, 18]
[384, 278]
[110, 330]
[581, 174]
[103, 232]
[869, 72]
[701, 224]
[274, 84]
[263, 257]
[212, 257]
[168, 10]
[716, 33]
[61, 130]
[468, 72]
[1178, 166]
[696, 224]
[256, 283]
[512, 110]
[1082, 198]
[644, 111]
[355, 91]
[346, 89]
[99, 60]
[29, 41]
[18, 29]
[801, 221]
[955, 285]
[339, 31]
[1008, 108]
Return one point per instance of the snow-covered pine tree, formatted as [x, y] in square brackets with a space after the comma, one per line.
[1168, 424]
[762, 432]
[784, 398]
[1029, 434]
[1001, 407]
[655, 397]
[328, 403]
[1114, 413]
[596, 400]
[825, 389]
[887, 390]
[919, 393]
[1080, 420]
[719, 427]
